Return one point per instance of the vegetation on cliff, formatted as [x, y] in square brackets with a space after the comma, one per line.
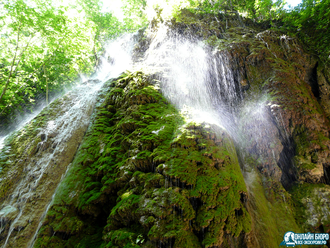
[46, 45]
[33, 161]
[144, 178]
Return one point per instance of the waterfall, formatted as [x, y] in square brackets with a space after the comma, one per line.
[60, 128]
[198, 79]
[26, 118]
[195, 78]
[202, 83]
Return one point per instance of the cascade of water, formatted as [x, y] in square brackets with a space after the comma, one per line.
[2, 140]
[117, 57]
[73, 118]
[60, 136]
[194, 78]
[24, 120]
[201, 83]
[32, 241]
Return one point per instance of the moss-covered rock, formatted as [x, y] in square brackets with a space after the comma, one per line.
[144, 177]
[284, 122]
[312, 202]
[35, 158]
[149, 179]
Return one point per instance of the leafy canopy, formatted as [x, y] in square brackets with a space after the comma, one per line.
[46, 45]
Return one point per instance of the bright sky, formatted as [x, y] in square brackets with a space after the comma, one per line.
[167, 6]
[293, 3]
[115, 7]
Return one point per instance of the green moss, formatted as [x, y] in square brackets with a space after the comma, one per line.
[310, 205]
[150, 175]
[22, 145]
[272, 212]
[308, 148]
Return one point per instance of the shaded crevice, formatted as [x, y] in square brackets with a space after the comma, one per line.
[196, 203]
[314, 82]
[200, 234]
[239, 212]
[326, 169]
[62, 235]
[164, 243]
[178, 183]
[286, 164]
[243, 197]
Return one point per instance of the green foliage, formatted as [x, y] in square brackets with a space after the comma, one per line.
[5, 154]
[259, 10]
[135, 16]
[310, 20]
[34, 36]
[45, 45]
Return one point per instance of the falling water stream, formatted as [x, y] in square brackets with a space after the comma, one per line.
[32, 241]
[22, 212]
[71, 120]
[25, 119]
[195, 78]
[201, 83]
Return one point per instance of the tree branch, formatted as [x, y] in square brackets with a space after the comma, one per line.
[21, 54]
[12, 64]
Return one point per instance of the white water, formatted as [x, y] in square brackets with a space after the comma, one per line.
[70, 119]
[62, 127]
[201, 83]
[25, 119]
[117, 58]
[32, 241]
[195, 78]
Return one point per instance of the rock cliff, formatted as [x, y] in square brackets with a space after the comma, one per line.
[145, 175]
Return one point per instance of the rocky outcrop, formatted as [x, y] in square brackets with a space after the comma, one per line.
[299, 133]
[283, 115]
[35, 159]
[146, 178]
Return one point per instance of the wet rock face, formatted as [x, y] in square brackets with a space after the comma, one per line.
[313, 202]
[92, 81]
[268, 62]
[271, 63]
[38, 156]
[145, 178]
[323, 82]
[277, 65]
[288, 137]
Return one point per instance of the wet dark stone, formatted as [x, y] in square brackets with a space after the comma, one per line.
[43, 137]
[326, 169]
[314, 83]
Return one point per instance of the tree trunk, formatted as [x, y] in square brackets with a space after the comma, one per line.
[12, 65]
[47, 102]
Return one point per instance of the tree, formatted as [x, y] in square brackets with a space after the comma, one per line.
[37, 37]
[311, 22]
